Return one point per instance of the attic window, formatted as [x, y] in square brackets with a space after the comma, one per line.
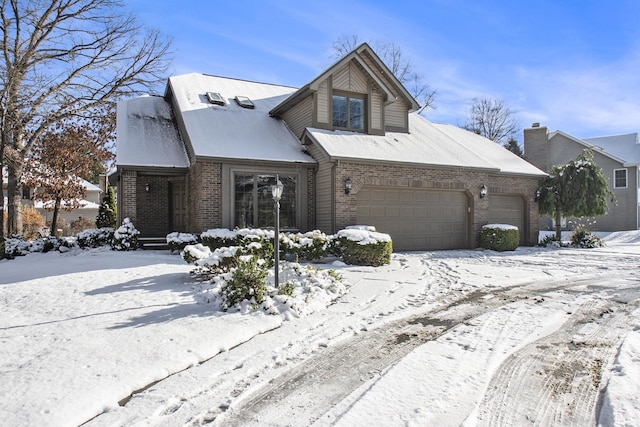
[215, 98]
[244, 102]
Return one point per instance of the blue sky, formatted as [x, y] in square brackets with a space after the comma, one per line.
[572, 65]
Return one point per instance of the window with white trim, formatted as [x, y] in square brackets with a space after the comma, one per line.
[619, 178]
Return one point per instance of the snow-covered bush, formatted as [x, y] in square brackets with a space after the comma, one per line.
[550, 241]
[95, 237]
[308, 246]
[219, 238]
[16, 246]
[208, 263]
[303, 289]
[361, 246]
[247, 281]
[125, 238]
[177, 241]
[499, 237]
[583, 238]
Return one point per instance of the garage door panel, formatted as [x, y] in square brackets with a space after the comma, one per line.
[378, 212]
[416, 219]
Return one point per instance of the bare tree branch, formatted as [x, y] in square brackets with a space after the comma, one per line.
[63, 59]
[493, 119]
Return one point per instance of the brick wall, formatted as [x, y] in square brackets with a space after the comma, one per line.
[205, 196]
[127, 207]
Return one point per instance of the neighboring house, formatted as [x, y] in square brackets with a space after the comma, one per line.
[88, 209]
[618, 156]
[347, 146]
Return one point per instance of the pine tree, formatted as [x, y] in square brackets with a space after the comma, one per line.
[108, 211]
[577, 189]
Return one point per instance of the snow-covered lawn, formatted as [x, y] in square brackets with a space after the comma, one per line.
[80, 332]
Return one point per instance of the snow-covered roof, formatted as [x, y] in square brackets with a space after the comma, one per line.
[426, 144]
[83, 204]
[89, 186]
[230, 131]
[624, 147]
[147, 135]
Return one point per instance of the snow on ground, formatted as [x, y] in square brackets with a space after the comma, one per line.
[81, 331]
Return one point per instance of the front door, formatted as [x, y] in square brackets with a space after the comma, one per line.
[178, 206]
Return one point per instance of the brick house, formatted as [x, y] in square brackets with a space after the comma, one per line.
[617, 155]
[348, 147]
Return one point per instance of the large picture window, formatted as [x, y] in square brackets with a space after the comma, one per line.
[348, 112]
[620, 178]
[253, 201]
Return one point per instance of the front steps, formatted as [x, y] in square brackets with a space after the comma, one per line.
[153, 243]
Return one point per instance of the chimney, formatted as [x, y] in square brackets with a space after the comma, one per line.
[536, 146]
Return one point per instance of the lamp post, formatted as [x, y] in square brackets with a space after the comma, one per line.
[276, 191]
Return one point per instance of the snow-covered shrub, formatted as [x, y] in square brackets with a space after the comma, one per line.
[177, 241]
[95, 237]
[303, 289]
[248, 281]
[583, 238]
[306, 246]
[219, 238]
[499, 237]
[193, 253]
[210, 264]
[125, 238]
[360, 246]
[550, 241]
[16, 246]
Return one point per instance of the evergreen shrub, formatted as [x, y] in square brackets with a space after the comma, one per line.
[125, 238]
[363, 247]
[499, 237]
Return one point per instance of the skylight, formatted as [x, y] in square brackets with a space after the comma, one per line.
[244, 102]
[215, 98]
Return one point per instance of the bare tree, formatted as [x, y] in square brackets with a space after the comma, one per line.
[62, 59]
[493, 119]
[401, 66]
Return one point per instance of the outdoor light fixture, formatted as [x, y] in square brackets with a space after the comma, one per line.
[147, 187]
[276, 191]
[347, 186]
[483, 191]
[537, 195]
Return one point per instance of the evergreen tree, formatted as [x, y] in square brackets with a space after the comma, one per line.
[108, 211]
[577, 189]
[512, 145]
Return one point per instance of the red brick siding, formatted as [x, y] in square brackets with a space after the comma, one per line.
[205, 196]
[127, 196]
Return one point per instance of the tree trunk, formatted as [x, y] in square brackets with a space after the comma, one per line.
[14, 199]
[558, 225]
[54, 220]
[2, 230]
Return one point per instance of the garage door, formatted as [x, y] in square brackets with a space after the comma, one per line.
[507, 210]
[416, 219]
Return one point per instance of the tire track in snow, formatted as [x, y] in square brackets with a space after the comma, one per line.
[557, 379]
[303, 394]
